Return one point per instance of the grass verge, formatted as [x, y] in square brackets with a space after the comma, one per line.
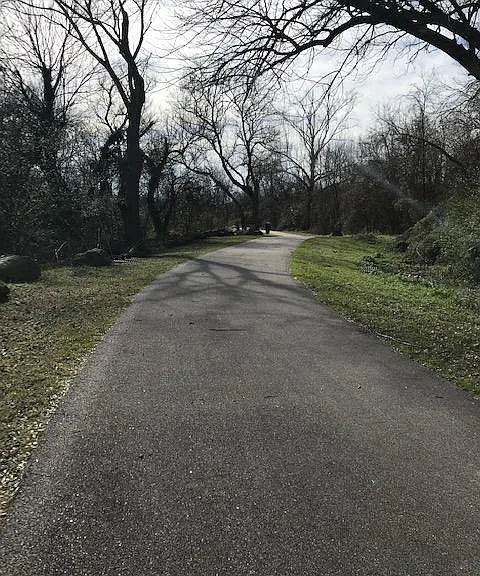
[434, 323]
[47, 328]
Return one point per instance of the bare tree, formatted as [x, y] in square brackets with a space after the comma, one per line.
[419, 131]
[111, 115]
[229, 129]
[43, 64]
[252, 35]
[461, 122]
[41, 70]
[414, 144]
[316, 122]
[112, 32]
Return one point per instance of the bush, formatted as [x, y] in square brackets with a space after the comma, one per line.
[449, 236]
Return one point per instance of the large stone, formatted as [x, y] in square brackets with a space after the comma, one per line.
[4, 292]
[19, 269]
[93, 257]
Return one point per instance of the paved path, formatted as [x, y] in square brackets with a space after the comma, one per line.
[231, 425]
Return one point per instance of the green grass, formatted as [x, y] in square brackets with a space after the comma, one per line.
[47, 328]
[436, 324]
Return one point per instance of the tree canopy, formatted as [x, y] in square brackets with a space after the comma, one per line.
[254, 35]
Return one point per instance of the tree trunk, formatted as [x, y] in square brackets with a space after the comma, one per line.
[153, 210]
[243, 220]
[308, 209]
[154, 213]
[241, 211]
[255, 201]
[131, 173]
[160, 216]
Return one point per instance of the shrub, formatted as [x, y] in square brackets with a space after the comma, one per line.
[449, 236]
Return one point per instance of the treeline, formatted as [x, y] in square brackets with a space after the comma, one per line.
[85, 162]
[60, 183]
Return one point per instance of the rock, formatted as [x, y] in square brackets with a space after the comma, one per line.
[4, 292]
[93, 257]
[19, 269]
[221, 232]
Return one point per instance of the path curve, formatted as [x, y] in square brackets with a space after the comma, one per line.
[231, 425]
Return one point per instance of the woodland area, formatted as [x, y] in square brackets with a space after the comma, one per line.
[87, 162]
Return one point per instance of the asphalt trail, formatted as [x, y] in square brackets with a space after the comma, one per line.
[231, 425]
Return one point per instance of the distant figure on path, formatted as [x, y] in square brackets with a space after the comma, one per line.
[268, 227]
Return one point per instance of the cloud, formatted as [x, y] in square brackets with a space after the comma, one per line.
[395, 77]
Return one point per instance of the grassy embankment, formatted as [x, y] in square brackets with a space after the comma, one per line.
[47, 328]
[435, 323]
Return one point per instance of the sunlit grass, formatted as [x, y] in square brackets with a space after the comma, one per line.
[436, 324]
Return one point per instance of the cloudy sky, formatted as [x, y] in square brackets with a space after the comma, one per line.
[394, 78]
[386, 82]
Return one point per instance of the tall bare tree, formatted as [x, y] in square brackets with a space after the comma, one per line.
[316, 121]
[112, 33]
[229, 129]
[159, 153]
[41, 68]
[43, 64]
